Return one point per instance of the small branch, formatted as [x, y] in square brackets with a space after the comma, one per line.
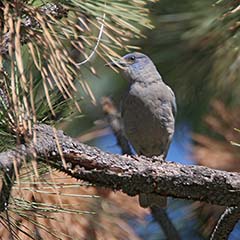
[7, 183]
[226, 223]
[162, 218]
[7, 165]
[4, 99]
[132, 175]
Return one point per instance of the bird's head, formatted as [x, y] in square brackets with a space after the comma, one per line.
[135, 66]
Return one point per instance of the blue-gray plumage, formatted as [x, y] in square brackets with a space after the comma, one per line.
[148, 112]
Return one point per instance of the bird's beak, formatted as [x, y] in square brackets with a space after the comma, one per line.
[118, 64]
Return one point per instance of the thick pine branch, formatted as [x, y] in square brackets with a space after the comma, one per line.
[132, 175]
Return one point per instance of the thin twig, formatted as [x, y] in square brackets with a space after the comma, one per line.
[226, 223]
[7, 184]
[8, 221]
[161, 217]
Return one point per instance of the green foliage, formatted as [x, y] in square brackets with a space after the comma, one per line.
[47, 45]
[196, 47]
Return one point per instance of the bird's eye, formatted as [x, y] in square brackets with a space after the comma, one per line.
[132, 58]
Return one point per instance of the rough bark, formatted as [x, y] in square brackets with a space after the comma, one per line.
[131, 174]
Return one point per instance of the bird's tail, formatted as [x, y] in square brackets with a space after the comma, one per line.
[151, 199]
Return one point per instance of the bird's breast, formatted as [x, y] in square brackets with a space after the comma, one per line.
[147, 121]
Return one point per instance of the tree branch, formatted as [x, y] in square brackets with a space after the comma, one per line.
[7, 166]
[226, 223]
[7, 183]
[161, 216]
[132, 175]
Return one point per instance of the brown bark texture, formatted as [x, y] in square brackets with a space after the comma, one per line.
[130, 174]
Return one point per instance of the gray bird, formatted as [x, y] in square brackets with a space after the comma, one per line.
[148, 112]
